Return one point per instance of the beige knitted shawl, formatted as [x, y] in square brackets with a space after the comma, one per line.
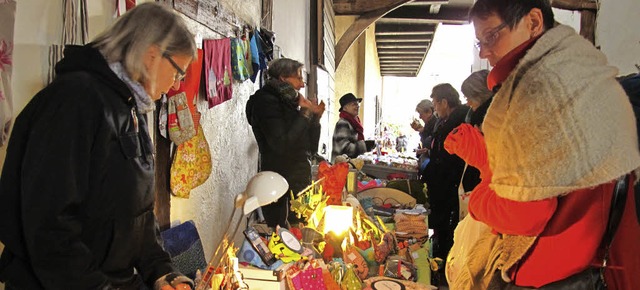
[560, 122]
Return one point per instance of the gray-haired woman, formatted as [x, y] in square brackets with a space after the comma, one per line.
[478, 95]
[287, 128]
[77, 187]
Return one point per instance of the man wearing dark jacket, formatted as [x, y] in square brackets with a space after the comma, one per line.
[287, 128]
[444, 171]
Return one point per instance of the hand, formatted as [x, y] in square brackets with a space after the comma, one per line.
[415, 125]
[181, 286]
[468, 143]
[422, 150]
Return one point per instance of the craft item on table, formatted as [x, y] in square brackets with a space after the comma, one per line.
[413, 187]
[384, 248]
[309, 277]
[384, 195]
[191, 165]
[314, 240]
[350, 281]
[309, 203]
[362, 185]
[400, 269]
[255, 251]
[333, 246]
[353, 257]
[378, 283]
[217, 70]
[329, 282]
[336, 268]
[410, 226]
[7, 23]
[421, 261]
[335, 177]
[285, 246]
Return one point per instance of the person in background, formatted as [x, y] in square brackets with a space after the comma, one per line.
[77, 187]
[402, 142]
[348, 136]
[559, 132]
[443, 172]
[426, 113]
[474, 88]
[286, 126]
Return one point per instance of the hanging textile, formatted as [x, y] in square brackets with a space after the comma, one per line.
[217, 70]
[71, 10]
[7, 20]
[190, 86]
[239, 61]
[191, 165]
[258, 58]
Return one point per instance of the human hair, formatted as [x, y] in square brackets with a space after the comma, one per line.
[147, 24]
[446, 92]
[511, 11]
[475, 87]
[283, 67]
[424, 106]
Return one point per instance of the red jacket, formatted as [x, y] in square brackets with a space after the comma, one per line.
[569, 228]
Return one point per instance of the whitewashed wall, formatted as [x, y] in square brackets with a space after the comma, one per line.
[618, 33]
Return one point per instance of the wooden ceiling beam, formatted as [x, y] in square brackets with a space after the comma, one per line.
[357, 27]
[360, 7]
[416, 45]
[402, 38]
[400, 61]
[446, 14]
[390, 29]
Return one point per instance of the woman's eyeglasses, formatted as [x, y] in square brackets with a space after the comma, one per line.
[180, 74]
[491, 38]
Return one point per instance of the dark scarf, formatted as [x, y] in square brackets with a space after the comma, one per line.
[355, 123]
[285, 91]
[503, 68]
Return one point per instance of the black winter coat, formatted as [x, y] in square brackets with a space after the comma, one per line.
[443, 172]
[286, 139]
[77, 187]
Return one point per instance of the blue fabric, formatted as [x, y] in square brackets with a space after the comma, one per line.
[183, 244]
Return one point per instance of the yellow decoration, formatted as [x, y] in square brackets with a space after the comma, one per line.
[282, 252]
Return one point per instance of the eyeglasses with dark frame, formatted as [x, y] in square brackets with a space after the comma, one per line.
[180, 73]
[490, 40]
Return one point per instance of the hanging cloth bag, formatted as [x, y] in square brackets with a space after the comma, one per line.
[191, 165]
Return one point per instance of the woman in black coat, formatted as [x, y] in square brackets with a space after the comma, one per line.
[287, 128]
[77, 187]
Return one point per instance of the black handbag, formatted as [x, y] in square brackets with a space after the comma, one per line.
[593, 277]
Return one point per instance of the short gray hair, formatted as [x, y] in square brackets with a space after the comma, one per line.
[134, 32]
[475, 87]
[283, 67]
[424, 106]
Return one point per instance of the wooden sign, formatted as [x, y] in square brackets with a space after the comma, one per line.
[211, 14]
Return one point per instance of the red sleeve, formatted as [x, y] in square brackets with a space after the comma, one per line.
[507, 216]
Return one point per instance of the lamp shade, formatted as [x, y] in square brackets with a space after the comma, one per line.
[264, 188]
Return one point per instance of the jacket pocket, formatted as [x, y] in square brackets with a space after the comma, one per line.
[130, 144]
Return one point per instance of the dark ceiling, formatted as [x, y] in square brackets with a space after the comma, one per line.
[404, 35]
